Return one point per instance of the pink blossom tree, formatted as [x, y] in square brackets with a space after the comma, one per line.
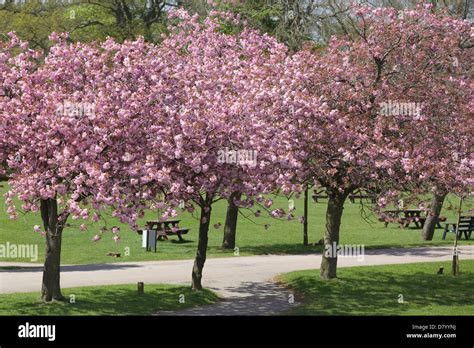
[78, 132]
[16, 63]
[333, 107]
[439, 159]
[212, 118]
[122, 126]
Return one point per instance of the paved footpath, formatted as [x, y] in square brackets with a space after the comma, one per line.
[245, 283]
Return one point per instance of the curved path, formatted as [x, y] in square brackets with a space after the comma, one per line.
[245, 283]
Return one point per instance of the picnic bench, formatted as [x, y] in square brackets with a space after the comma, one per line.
[319, 194]
[408, 216]
[361, 195]
[169, 227]
[157, 230]
[466, 226]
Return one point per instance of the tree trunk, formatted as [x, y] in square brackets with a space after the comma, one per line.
[147, 35]
[51, 288]
[305, 217]
[230, 227]
[455, 265]
[433, 217]
[331, 237]
[202, 244]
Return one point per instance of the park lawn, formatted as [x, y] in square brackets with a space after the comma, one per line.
[252, 238]
[108, 300]
[375, 290]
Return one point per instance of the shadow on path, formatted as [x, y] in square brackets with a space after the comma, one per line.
[249, 298]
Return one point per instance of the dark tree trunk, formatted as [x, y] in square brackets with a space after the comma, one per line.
[333, 223]
[305, 217]
[51, 288]
[230, 227]
[202, 244]
[433, 217]
[147, 35]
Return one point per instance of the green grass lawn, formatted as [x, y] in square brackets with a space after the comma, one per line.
[108, 300]
[375, 290]
[252, 238]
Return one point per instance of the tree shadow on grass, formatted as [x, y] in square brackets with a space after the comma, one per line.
[359, 292]
[414, 250]
[113, 300]
[281, 249]
[71, 268]
[185, 241]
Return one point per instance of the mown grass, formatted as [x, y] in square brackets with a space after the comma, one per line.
[283, 237]
[108, 300]
[377, 290]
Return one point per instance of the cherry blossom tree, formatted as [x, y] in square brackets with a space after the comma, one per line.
[334, 108]
[215, 142]
[122, 126]
[440, 158]
[438, 149]
[77, 131]
[16, 63]
[218, 108]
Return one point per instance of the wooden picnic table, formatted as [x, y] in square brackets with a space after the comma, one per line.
[158, 224]
[162, 229]
[362, 195]
[319, 194]
[409, 216]
[167, 227]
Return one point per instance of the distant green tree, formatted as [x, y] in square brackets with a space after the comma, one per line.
[131, 18]
[33, 20]
[85, 20]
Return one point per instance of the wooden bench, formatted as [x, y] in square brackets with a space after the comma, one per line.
[360, 195]
[409, 216]
[413, 215]
[318, 194]
[391, 217]
[466, 226]
[179, 232]
[169, 227]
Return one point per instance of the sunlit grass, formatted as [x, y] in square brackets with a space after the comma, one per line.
[283, 236]
[108, 300]
[378, 290]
